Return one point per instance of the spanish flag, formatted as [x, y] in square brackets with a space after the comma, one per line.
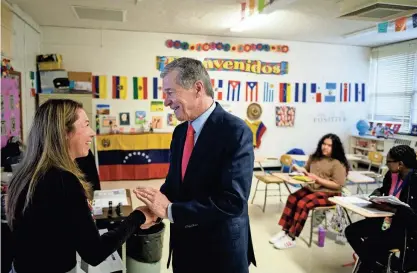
[133, 157]
[119, 87]
[100, 87]
[140, 88]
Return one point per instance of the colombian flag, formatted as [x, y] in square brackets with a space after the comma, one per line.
[119, 87]
[133, 157]
[100, 87]
[140, 88]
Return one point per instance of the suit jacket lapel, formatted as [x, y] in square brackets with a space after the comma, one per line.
[204, 141]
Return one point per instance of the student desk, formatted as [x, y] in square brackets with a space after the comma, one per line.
[359, 178]
[288, 179]
[359, 206]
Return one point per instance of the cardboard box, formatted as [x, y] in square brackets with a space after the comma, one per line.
[80, 76]
[80, 81]
[48, 62]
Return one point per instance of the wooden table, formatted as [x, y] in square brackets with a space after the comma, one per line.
[359, 178]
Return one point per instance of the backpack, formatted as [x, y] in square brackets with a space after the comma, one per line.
[10, 154]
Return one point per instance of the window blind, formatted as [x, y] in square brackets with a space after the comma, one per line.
[393, 80]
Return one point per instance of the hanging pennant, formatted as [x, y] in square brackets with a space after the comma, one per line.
[243, 11]
[383, 27]
[401, 24]
[251, 7]
[261, 5]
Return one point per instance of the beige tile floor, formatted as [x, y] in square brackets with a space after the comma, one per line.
[300, 259]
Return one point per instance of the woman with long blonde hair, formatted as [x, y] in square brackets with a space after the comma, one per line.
[47, 209]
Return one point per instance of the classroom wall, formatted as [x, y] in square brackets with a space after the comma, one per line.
[21, 46]
[133, 54]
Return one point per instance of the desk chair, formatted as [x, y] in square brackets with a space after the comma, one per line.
[392, 253]
[286, 163]
[325, 209]
[375, 158]
[268, 179]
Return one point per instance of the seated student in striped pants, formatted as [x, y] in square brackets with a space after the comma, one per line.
[328, 166]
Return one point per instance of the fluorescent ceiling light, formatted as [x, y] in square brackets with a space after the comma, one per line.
[250, 22]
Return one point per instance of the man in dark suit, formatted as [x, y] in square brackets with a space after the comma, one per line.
[207, 188]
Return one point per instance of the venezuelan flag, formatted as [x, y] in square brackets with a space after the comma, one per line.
[100, 87]
[285, 92]
[133, 157]
[119, 87]
[140, 88]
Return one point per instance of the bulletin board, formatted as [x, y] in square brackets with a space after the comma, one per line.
[11, 107]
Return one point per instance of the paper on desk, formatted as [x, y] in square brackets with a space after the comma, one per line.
[362, 202]
[102, 198]
[388, 200]
[355, 200]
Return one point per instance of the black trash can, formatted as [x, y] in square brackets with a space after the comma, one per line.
[144, 249]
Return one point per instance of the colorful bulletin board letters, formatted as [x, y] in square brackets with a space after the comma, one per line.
[219, 46]
[249, 66]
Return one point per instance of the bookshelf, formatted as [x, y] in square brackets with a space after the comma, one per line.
[362, 145]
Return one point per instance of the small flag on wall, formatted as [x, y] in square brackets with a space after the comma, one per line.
[99, 87]
[383, 27]
[119, 87]
[401, 24]
[284, 92]
[345, 92]
[233, 91]
[316, 92]
[157, 89]
[140, 88]
[251, 91]
[32, 84]
[269, 92]
[330, 92]
[359, 92]
[217, 89]
[300, 92]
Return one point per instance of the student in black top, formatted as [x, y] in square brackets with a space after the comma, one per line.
[87, 166]
[373, 238]
[48, 211]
